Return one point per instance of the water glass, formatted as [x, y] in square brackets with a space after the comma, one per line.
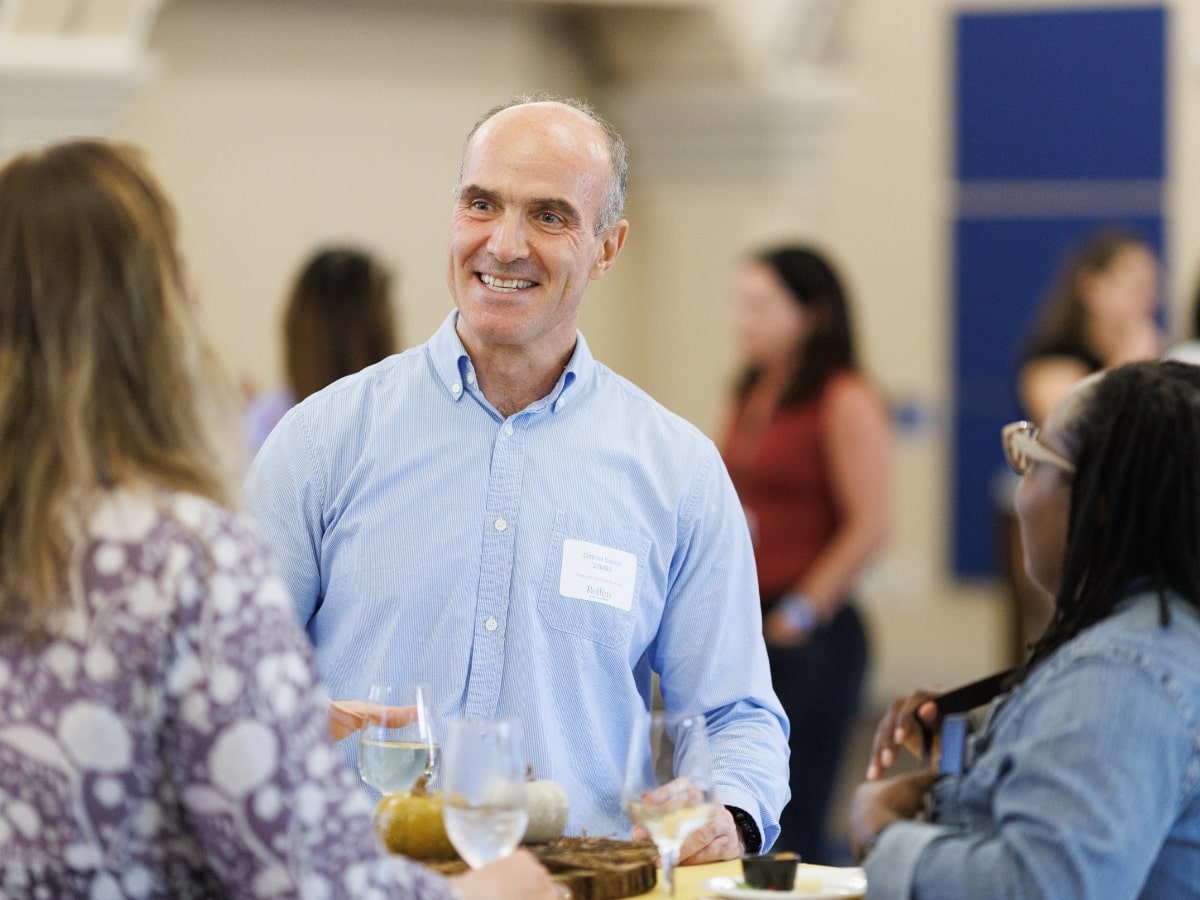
[398, 744]
[668, 787]
[483, 789]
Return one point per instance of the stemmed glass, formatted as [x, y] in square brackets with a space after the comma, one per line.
[668, 787]
[398, 743]
[483, 789]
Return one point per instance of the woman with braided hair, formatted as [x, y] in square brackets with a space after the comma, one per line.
[1083, 779]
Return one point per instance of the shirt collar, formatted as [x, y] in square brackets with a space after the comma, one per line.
[456, 372]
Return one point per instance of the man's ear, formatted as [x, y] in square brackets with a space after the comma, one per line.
[614, 240]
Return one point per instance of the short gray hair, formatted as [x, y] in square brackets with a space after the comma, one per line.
[614, 202]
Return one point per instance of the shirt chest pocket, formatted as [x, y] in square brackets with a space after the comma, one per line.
[593, 581]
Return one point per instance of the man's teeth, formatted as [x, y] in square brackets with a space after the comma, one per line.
[501, 284]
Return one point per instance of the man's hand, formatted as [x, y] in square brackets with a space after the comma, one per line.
[717, 839]
[347, 716]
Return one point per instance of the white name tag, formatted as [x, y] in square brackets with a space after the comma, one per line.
[596, 573]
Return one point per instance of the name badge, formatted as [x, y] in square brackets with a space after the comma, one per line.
[596, 573]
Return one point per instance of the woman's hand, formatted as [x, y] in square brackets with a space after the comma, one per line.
[778, 630]
[899, 728]
[516, 877]
[877, 804]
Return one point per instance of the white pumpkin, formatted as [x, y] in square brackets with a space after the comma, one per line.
[549, 808]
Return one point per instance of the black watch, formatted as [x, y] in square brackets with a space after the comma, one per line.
[745, 823]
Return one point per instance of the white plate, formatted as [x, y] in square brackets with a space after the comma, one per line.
[835, 884]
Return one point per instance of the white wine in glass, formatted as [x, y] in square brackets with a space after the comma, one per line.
[483, 789]
[398, 743]
[668, 787]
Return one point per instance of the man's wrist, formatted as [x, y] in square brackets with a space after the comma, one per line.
[799, 612]
[747, 828]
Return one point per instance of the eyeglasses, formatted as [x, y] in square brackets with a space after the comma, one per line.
[1022, 449]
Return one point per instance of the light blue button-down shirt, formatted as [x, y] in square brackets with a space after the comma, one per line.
[540, 566]
[1085, 784]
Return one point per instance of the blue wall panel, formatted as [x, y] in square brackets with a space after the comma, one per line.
[1044, 99]
[1061, 94]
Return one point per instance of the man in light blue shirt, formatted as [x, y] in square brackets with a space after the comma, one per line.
[498, 514]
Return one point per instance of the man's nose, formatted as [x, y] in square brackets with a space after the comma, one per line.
[509, 238]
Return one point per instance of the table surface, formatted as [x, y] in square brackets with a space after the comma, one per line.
[688, 878]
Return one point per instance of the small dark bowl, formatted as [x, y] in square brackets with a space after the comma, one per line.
[771, 871]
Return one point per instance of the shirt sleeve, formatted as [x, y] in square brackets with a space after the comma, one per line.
[713, 601]
[258, 781]
[286, 493]
[1080, 791]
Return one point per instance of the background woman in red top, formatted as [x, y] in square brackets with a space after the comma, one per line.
[809, 449]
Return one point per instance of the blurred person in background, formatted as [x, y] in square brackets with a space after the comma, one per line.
[162, 730]
[1100, 313]
[338, 319]
[809, 448]
[1083, 778]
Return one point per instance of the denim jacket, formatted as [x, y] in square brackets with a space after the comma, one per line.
[1083, 783]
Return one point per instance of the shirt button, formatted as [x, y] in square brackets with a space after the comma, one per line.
[470, 378]
[508, 429]
[491, 624]
[501, 524]
[456, 388]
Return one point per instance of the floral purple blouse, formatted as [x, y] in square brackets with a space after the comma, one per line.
[172, 741]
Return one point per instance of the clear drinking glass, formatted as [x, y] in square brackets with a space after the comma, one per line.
[668, 787]
[483, 789]
[399, 743]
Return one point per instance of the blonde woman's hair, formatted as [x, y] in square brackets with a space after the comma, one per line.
[105, 378]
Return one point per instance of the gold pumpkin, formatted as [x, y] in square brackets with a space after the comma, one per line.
[411, 824]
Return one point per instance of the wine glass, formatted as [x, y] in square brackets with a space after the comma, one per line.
[398, 743]
[668, 787]
[483, 789]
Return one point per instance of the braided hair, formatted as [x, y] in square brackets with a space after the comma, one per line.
[1135, 497]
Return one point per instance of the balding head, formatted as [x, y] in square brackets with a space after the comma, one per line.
[614, 146]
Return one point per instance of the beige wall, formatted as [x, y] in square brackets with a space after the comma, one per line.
[279, 124]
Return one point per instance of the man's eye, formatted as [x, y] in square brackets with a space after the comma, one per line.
[481, 205]
[549, 218]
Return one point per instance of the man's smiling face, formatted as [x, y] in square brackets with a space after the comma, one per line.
[523, 242]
